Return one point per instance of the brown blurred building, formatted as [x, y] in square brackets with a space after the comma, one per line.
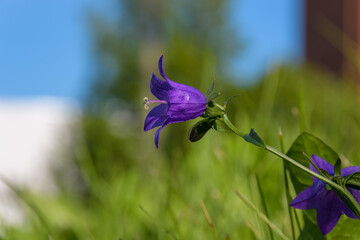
[333, 36]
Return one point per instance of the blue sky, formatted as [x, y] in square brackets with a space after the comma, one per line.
[272, 33]
[45, 47]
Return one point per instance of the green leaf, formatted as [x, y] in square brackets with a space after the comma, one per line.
[310, 230]
[200, 128]
[311, 145]
[353, 180]
[254, 138]
[337, 170]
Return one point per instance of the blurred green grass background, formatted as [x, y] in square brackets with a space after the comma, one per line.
[114, 184]
[122, 187]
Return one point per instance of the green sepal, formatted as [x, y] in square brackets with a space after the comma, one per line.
[322, 172]
[210, 89]
[219, 126]
[337, 167]
[200, 128]
[213, 96]
[353, 180]
[254, 138]
[213, 111]
[325, 173]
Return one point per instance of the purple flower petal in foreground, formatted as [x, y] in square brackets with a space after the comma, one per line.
[178, 103]
[328, 205]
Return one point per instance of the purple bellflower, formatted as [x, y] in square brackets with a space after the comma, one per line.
[328, 205]
[178, 103]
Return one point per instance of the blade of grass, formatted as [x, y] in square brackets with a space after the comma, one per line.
[254, 230]
[292, 212]
[156, 223]
[263, 204]
[287, 190]
[261, 215]
[302, 106]
[208, 219]
[21, 195]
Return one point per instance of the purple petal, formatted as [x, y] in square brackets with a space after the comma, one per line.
[159, 88]
[310, 197]
[157, 134]
[186, 104]
[156, 117]
[349, 170]
[346, 209]
[329, 212]
[186, 95]
[161, 68]
[176, 85]
[185, 111]
[322, 164]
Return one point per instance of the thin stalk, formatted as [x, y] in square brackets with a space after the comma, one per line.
[208, 219]
[261, 215]
[288, 201]
[262, 197]
[292, 211]
[287, 189]
[298, 223]
[232, 127]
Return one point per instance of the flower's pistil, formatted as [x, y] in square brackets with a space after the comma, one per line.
[147, 102]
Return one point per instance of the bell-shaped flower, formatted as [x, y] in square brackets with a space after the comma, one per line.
[178, 103]
[328, 205]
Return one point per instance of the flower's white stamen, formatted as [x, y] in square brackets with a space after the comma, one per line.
[147, 102]
[146, 105]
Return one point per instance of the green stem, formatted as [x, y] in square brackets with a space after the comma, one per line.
[232, 127]
[287, 188]
[344, 191]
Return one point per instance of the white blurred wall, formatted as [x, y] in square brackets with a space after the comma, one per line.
[31, 131]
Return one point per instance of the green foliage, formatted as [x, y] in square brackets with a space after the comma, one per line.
[115, 184]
